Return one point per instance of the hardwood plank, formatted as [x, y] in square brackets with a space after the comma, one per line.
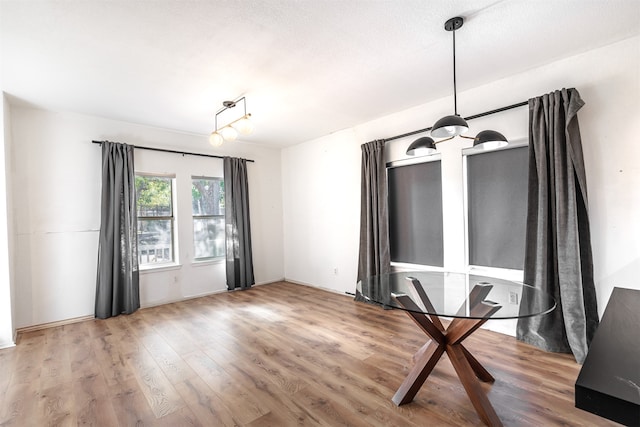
[29, 355]
[19, 406]
[172, 365]
[55, 365]
[131, 409]
[175, 337]
[205, 404]
[328, 410]
[263, 359]
[183, 417]
[7, 366]
[262, 386]
[56, 406]
[91, 400]
[112, 359]
[158, 390]
[237, 398]
[274, 419]
[82, 358]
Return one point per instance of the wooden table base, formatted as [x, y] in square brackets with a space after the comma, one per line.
[449, 340]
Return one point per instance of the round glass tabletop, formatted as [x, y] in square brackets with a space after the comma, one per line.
[456, 295]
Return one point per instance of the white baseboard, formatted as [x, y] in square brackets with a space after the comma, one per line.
[270, 282]
[171, 301]
[333, 291]
[4, 345]
[51, 325]
[204, 294]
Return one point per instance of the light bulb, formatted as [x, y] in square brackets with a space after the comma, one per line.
[492, 145]
[244, 126]
[229, 133]
[215, 139]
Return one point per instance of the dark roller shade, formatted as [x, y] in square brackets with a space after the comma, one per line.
[497, 207]
[415, 213]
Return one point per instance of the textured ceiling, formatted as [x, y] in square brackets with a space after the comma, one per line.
[307, 68]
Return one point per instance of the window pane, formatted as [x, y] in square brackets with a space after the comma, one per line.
[415, 214]
[208, 236]
[207, 197]
[154, 241]
[153, 196]
[497, 207]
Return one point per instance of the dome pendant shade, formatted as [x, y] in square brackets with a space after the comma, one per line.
[449, 126]
[489, 140]
[422, 147]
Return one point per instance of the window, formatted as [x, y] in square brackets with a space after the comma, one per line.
[207, 197]
[497, 207]
[154, 204]
[415, 213]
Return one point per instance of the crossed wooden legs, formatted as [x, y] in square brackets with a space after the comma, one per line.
[449, 340]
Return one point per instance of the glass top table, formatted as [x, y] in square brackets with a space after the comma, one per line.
[447, 295]
[469, 300]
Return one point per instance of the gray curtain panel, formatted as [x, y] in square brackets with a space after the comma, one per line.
[558, 255]
[374, 258]
[117, 284]
[237, 225]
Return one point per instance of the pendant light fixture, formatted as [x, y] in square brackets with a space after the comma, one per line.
[454, 125]
[230, 131]
[422, 147]
[451, 126]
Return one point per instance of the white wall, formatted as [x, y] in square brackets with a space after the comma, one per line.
[57, 184]
[321, 199]
[607, 78]
[6, 316]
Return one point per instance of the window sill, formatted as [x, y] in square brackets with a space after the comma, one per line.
[159, 268]
[205, 262]
[499, 273]
[403, 266]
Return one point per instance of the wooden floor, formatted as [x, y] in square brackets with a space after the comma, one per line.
[275, 355]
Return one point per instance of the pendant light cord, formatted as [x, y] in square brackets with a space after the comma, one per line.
[455, 96]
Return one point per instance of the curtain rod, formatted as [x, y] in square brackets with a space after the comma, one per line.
[173, 151]
[475, 116]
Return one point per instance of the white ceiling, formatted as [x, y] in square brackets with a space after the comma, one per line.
[306, 67]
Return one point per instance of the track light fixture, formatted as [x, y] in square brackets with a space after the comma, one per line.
[229, 132]
[451, 126]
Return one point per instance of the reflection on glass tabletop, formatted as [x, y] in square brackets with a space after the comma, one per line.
[456, 295]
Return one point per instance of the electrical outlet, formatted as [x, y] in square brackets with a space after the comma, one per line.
[335, 271]
[513, 298]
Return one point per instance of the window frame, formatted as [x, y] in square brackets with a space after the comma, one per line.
[194, 217]
[171, 219]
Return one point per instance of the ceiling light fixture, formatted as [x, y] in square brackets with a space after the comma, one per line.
[422, 147]
[451, 126]
[229, 132]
